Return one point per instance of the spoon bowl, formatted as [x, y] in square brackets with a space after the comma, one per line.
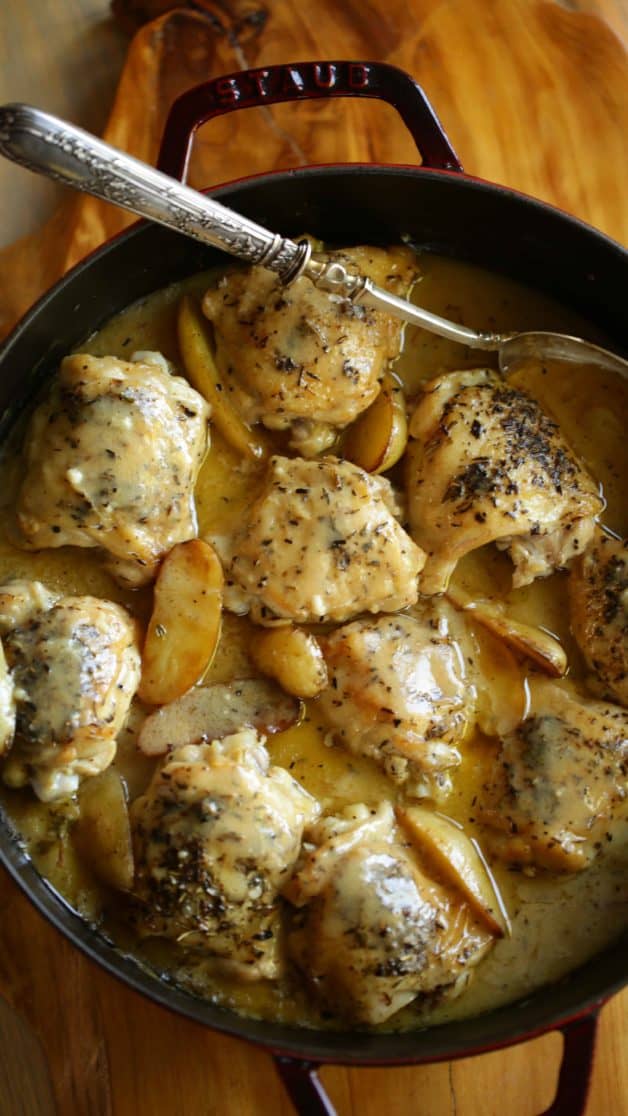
[542, 346]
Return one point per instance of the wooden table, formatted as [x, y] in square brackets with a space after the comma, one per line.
[533, 94]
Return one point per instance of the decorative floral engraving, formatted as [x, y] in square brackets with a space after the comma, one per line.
[44, 144]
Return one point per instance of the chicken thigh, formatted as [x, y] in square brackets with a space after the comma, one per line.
[216, 835]
[372, 931]
[321, 542]
[561, 778]
[398, 692]
[296, 357]
[598, 597]
[19, 601]
[111, 460]
[486, 464]
[75, 666]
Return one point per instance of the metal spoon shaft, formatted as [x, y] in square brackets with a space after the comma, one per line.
[417, 315]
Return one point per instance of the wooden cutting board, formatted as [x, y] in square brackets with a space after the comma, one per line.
[533, 95]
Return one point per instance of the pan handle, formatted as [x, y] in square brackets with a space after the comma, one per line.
[302, 1084]
[305, 81]
[574, 1076]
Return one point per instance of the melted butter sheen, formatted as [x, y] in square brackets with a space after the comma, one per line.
[557, 922]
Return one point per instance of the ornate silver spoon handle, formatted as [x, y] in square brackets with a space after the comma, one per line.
[50, 146]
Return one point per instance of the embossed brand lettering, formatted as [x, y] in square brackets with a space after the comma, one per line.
[324, 75]
[258, 77]
[292, 81]
[227, 92]
[285, 82]
[358, 75]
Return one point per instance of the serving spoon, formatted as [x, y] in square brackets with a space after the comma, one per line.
[50, 146]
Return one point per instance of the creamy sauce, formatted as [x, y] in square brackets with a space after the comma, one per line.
[557, 922]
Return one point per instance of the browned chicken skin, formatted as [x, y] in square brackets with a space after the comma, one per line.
[75, 666]
[598, 598]
[398, 693]
[561, 778]
[372, 930]
[216, 835]
[321, 542]
[296, 357]
[112, 457]
[486, 464]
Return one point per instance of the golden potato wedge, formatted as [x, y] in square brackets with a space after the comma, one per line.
[184, 628]
[377, 439]
[500, 682]
[533, 643]
[102, 833]
[459, 861]
[201, 370]
[293, 658]
[211, 712]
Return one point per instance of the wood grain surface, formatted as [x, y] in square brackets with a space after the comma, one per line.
[533, 94]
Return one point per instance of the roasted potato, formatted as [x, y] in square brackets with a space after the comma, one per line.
[184, 628]
[293, 658]
[458, 860]
[211, 712]
[377, 439]
[500, 682]
[201, 370]
[102, 833]
[533, 643]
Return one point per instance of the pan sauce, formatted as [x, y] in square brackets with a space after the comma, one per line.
[557, 922]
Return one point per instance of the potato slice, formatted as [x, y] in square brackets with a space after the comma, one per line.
[102, 833]
[500, 681]
[201, 370]
[293, 658]
[211, 712]
[377, 439]
[184, 628]
[459, 861]
[533, 643]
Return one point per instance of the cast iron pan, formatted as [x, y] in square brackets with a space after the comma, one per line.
[444, 211]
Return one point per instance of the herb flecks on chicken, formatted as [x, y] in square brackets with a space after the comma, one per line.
[321, 543]
[111, 460]
[216, 836]
[298, 358]
[598, 598]
[560, 780]
[486, 464]
[398, 693]
[75, 666]
[372, 930]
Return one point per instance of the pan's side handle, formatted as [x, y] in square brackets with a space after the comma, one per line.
[301, 1082]
[305, 81]
[577, 1063]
